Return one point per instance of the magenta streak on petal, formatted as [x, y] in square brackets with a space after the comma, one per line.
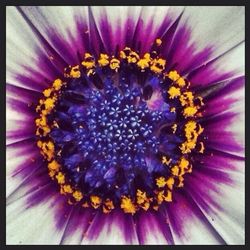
[78, 224]
[20, 100]
[218, 100]
[183, 54]
[203, 189]
[105, 32]
[116, 217]
[163, 220]
[19, 106]
[182, 210]
[21, 132]
[130, 25]
[30, 180]
[22, 94]
[152, 222]
[220, 161]
[142, 38]
[83, 31]
[44, 42]
[58, 42]
[164, 27]
[207, 71]
[218, 138]
[168, 36]
[31, 81]
[66, 49]
[96, 44]
[30, 160]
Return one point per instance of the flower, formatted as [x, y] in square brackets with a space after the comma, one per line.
[124, 125]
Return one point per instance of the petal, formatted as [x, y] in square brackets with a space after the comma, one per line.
[77, 225]
[188, 224]
[152, 230]
[115, 228]
[20, 113]
[221, 202]
[28, 63]
[22, 160]
[37, 230]
[209, 26]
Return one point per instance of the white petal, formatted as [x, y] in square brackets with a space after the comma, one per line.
[111, 229]
[149, 231]
[187, 226]
[220, 26]
[229, 221]
[20, 157]
[33, 225]
[21, 49]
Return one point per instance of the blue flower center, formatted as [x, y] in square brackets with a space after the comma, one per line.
[110, 137]
[118, 131]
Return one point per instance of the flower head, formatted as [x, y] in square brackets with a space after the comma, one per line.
[124, 125]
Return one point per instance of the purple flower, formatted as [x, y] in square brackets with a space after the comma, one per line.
[125, 125]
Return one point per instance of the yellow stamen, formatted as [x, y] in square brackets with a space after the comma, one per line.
[60, 178]
[181, 82]
[52, 174]
[75, 72]
[141, 196]
[158, 65]
[47, 92]
[67, 189]
[202, 148]
[173, 75]
[127, 205]
[160, 196]
[173, 92]
[54, 165]
[144, 62]
[47, 149]
[122, 55]
[115, 64]
[191, 134]
[166, 161]
[187, 98]
[133, 57]
[161, 182]
[158, 42]
[190, 111]
[103, 61]
[57, 84]
[95, 201]
[77, 195]
[49, 104]
[42, 121]
[181, 181]
[175, 170]
[108, 206]
[142, 200]
[183, 165]
[88, 61]
[170, 183]
[168, 198]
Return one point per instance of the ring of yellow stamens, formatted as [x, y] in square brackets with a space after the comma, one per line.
[164, 185]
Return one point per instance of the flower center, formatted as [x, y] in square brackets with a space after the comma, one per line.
[118, 132]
